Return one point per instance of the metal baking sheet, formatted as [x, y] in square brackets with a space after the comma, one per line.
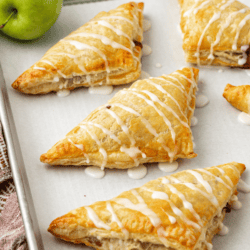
[41, 121]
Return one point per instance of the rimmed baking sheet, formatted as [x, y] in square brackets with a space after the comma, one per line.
[42, 120]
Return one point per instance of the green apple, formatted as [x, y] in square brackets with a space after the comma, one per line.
[28, 19]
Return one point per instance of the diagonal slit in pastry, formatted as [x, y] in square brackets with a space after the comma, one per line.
[105, 51]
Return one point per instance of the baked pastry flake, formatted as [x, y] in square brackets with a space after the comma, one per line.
[238, 96]
[105, 51]
[216, 32]
[148, 122]
[181, 211]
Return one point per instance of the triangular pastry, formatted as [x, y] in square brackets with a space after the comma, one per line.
[148, 122]
[181, 211]
[238, 96]
[104, 51]
[216, 32]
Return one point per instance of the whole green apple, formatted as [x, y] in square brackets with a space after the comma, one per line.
[28, 19]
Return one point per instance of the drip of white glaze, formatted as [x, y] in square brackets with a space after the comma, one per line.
[165, 180]
[201, 101]
[149, 102]
[220, 70]
[243, 187]
[118, 17]
[137, 172]
[56, 79]
[63, 93]
[208, 245]
[241, 25]
[144, 75]
[101, 149]
[168, 166]
[39, 68]
[194, 9]
[101, 90]
[158, 65]
[223, 230]
[194, 121]
[146, 25]
[146, 50]
[115, 219]
[236, 205]
[244, 118]
[96, 220]
[95, 172]
[200, 179]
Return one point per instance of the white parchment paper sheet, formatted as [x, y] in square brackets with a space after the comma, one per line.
[42, 120]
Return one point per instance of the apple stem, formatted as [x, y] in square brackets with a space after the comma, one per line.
[14, 11]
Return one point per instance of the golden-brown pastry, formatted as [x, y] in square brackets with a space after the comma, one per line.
[104, 51]
[148, 122]
[238, 96]
[216, 32]
[182, 211]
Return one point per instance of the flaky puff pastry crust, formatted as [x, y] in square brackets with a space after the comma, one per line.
[104, 51]
[216, 32]
[238, 96]
[181, 211]
[148, 122]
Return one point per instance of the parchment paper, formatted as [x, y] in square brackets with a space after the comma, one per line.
[42, 120]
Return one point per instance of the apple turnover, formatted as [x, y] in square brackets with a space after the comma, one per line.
[148, 122]
[105, 51]
[216, 32]
[182, 211]
[238, 96]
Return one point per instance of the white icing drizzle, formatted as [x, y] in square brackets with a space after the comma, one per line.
[101, 149]
[115, 219]
[236, 205]
[223, 230]
[244, 118]
[200, 179]
[82, 46]
[168, 166]
[146, 50]
[201, 101]
[141, 207]
[110, 26]
[160, 88]
[208, 245]
[39, 68]
[63, 93]
[243, 187]
[80, 146]
[216, 177]
[137, 172]
[194, 121]
[96, 220]
[118, 17]
[101, 90]
[225, 176]
[194, 9]
[51, 64]
[154, 98]
[241, 25]
[186, 204]
[56, 79]
[177, 211]
[146, 25]
[149, 102]
[95, 172]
